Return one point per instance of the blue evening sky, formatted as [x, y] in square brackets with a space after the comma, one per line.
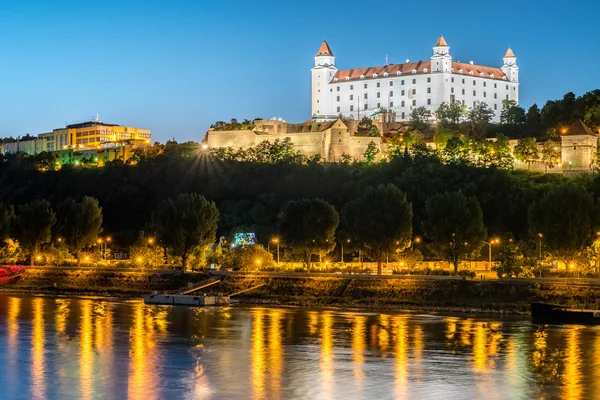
[177, 66]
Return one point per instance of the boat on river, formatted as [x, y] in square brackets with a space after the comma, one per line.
[544, 313]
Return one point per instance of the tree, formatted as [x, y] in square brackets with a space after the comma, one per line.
[449, 115]
[420, 119]
[380, 221]
[479, 117]
[308, 226]
[185, 224]
[500, 153]
[7, 219]
[526, 150]
[34, 226]
[248, 258]
[512, 113]
[78, 224]
[551, 153]
[454, 223]
[367, 128]
[533, 117]
[550, 114]
[509, 261]
[146, 252]
[566, 218]
[371, 152]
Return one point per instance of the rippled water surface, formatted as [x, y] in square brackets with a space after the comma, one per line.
[98, 349]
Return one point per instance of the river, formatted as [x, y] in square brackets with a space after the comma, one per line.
[60, 348]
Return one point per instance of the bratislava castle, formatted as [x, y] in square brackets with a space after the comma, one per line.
[360, 92]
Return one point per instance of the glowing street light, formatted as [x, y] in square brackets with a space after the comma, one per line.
[490, 243]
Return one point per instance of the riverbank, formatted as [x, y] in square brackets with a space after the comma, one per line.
[368, 292]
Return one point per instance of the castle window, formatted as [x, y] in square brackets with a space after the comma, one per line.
[414, 81]
[504, 78]
[452, 98]
[317, 101]
[402, 104]
[452, 79]
[392, 104]
[428, 80]
[365, 106]
[428, 102]
[414, 71]
[484, 94]
[402, 92]
[474, 82]
[403, 115]
[495, 95]
[471, 73]
[484, 84]
[495, 86]
[392, 93]
[347, 78]
[365, 85]
[428, 90]
[460, 71]
[481, 74]
[495, 106]
[335, 79]
[378, 105]
[338, 98]
[338, 89]
[338, 109]
[414, 103]
[378, 95]
[351, 87]
[398, 73]
[365, 95]
[391, 83]
[425, 70]
[362, 77]
[351, 97]
[414, 91]
[506, 97]
[402, 82]
[451, 90]
[378, 84]
[474, 93]
[506, 87]
[374, 75]
[474, 104]
[463, 81]
[492, 76]
[331, 90]
[351, 108]
[385, 74]
[463, 92]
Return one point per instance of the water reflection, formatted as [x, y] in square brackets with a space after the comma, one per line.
[88, 348]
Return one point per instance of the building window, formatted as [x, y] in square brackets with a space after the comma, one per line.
[452, 98]
[392, 104]
[365, 85]
[574, 146]
[378, 105]
[402, 82]
[403, 115]
[402, 92]
[484, 94]
[495, 86]
[338, 89]
[414, 91]
[463, 81]
[506, 87]
[495, 95]
[402, 103]
[378, 95]
[414, 103]
[365, 106]
[474, 93]
[351, 97]
[506, 97]
[338, 98]
[428, 90]
[365, 95]
[428, 102]
[392, 93]
[378, 84]
[484, 84]
[463, 102]
[414, 81]
[474, 82]
[351, 108]
[474, 104]
[452, 79]
[351, 87]
[338, 109]
[495, 106]
[451, 90]
[428, 80]
[391, 83]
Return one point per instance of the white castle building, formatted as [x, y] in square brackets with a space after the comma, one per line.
[360, 92]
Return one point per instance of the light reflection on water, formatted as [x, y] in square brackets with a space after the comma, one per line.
[93, 348]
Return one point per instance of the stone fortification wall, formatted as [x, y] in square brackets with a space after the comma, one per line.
[308, 143]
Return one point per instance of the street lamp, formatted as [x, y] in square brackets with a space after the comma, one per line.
[342, 244]
[257, 264]
[276, 241]
[540, 236]
[490, 243]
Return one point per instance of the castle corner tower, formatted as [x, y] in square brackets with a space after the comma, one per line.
[322, 74]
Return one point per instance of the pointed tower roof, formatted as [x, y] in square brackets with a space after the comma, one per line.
[324, 50]
[577, 128]
[441, 42]
[509, 53]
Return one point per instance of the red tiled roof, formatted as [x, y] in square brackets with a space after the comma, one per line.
[324, 50]
[420, 67]
[441, 42]
[509, 53]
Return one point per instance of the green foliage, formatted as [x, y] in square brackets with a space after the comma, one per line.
[567, 219]
[10, 252]
[379, 221]
[7, 220]
[526, 150]
[510, 260]
[367, 128]
[455, 226]
[371, 153]
[78, 224]
[551, 153]
[233, 125]
[449, 115]
[533, 116]
[185, 224]
[409, 258]
[420, 118]
[248, 258]
[479, 117]
[34, 226]
[146, 253]
[512, 113]
[278, 151]
[309, 227]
